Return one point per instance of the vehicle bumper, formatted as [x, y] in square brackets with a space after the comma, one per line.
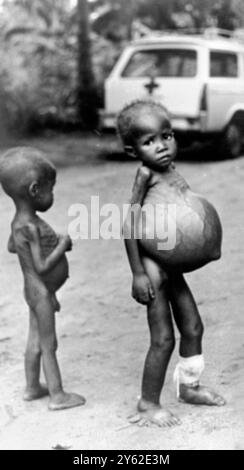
[181, 124]
[189, 124]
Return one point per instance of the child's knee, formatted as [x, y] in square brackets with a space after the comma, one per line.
[194, 329]
[164, 343]
[49, 344]
[33, 349]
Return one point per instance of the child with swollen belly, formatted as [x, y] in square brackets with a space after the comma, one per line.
[158, 262]
[28, 178]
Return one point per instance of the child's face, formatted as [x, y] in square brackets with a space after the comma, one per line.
[43, 199]
[154, 141]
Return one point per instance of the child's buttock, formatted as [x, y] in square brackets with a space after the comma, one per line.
[35, 292]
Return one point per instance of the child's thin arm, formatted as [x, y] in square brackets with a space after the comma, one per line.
[141, 288]
[132, 220]
[43, 265]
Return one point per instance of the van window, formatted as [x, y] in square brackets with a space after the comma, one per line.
[223, 64]
[162, 63]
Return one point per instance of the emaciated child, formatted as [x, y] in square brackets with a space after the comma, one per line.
[29, 178]
[158, 281]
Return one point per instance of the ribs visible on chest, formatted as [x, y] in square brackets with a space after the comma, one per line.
[48, 239]
[177, 181]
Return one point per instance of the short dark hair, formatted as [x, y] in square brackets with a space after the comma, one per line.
[19, 166]
[126, 120]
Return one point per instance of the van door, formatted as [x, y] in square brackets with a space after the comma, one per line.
[226, 87]
[169, 74]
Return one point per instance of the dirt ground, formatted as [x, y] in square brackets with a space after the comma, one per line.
[103, 335]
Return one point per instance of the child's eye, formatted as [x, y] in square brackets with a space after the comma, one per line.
[149, 141]
[168, 135]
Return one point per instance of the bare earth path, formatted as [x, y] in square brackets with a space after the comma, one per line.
[102, 332]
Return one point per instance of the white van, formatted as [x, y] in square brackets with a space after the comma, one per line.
[199, 78]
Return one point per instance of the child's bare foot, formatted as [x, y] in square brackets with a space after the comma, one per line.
[35, 393]
[66, 400]
[200, 396]
[149, 413]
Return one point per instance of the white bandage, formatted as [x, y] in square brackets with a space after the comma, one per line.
[188, 371]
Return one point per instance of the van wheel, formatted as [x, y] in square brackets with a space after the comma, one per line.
[231, 142]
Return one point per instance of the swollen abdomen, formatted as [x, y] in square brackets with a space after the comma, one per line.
[191, 236]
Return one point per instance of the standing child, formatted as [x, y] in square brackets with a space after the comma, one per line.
[28, 178]
[157, 268]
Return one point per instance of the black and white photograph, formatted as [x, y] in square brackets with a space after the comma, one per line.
[122, 228]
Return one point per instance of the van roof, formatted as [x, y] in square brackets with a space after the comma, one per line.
[218, 42]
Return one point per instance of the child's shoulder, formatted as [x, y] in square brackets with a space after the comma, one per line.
[143, 176]
[143, 173]
[24, 231]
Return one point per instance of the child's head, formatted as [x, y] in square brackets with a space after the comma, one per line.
[145, 130]
[25, 174]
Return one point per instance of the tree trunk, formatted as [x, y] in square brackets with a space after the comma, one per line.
[87, 95]
[128, 8]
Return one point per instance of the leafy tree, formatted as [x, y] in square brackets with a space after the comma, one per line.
[219, 13]
[156, 13]
[61, 59]
[37, 38]
[225, 15]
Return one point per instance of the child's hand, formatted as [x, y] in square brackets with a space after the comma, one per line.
[66, 241]
[142, 290]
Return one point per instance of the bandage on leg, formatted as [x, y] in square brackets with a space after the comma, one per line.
[188, 371]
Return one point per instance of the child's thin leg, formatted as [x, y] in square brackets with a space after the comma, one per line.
[48, 342]
[161, 347]
[33, 389]
[191, 364]
[186, 316]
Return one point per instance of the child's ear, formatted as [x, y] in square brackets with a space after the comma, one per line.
[130, 151]
[33, 189]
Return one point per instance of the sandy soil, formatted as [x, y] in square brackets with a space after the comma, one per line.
[103, 335]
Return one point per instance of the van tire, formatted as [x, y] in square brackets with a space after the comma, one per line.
[231, 141]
